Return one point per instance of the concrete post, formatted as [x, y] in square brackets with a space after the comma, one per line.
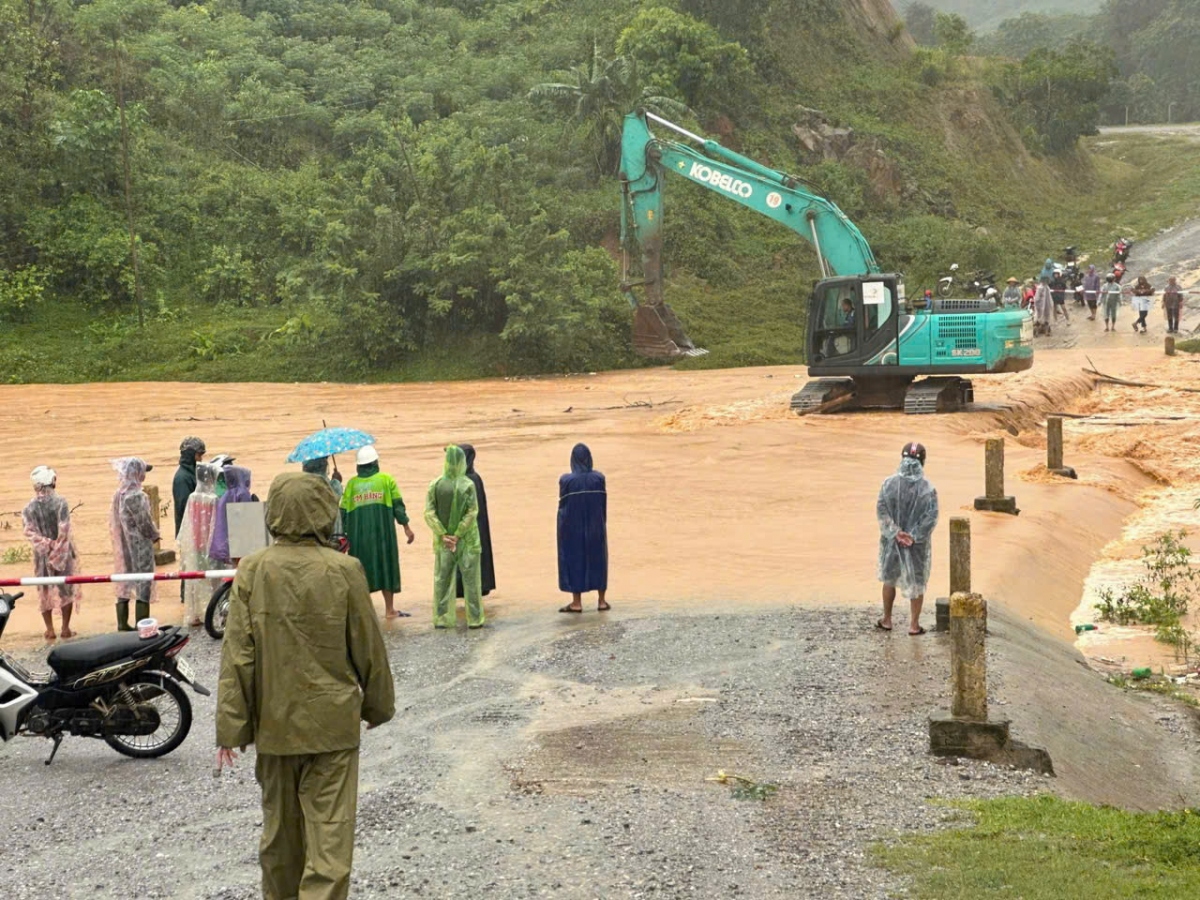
[1170, 345]
[994, 499]
[161, 557]
[1054, 443]
[994, 469]
[960, 556]
[968, 659]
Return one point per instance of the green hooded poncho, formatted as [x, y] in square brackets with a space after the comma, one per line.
[452, 507]
[304, 660]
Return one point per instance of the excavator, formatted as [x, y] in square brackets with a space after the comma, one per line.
[868, 346]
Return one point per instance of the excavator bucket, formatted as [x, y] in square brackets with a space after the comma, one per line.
[658, 334]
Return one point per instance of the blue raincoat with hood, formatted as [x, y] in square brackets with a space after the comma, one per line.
[582, 526]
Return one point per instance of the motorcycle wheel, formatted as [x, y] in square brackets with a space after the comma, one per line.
[945, 288]
[174, 710]
[218, 611]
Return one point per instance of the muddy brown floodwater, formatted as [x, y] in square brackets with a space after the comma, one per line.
[718, 497]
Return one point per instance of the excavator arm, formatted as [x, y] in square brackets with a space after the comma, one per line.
[645, 160]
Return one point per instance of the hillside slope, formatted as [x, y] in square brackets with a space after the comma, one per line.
[332, 190]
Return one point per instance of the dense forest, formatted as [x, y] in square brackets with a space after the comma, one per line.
[410, 188]
[1152, 42]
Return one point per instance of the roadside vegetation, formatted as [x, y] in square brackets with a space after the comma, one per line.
[1043, 848]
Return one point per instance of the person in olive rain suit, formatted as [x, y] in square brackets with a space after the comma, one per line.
[487, 565]
[303, 663]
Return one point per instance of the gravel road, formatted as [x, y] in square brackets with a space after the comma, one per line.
[550, 758]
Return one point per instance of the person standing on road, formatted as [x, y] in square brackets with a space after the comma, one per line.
[237, 490]
[1110, 294]
[47, 523]
[452, 514]
[1091, 291]
[487, 564]
[1058, 293]
[1142, 294]
[131, 526]
[320, 468]
[582, 532]
[303, 663]
[907, 510]
[191, 452]
[1042, 305]
[1172, 301]
[1012, 294]
[195, 543]
[371, 507]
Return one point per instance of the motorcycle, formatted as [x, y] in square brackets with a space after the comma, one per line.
[217, 613]
[1118, 271]
[981, 283]
[121, 688]
[946, 282]
[1121, 250]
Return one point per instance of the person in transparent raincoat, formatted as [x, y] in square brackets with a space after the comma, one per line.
[131, 526]
[47, 524]
[452, 514]
[195, 540]
[908, 512]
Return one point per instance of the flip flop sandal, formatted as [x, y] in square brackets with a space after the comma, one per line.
[570, 609]
[880, 626]
[605, 608]
[399, 615]
[920, 631]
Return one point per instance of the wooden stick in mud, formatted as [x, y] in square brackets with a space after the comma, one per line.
[1110, 379]
[828, 405]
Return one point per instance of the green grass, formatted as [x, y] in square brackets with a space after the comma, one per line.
[1189, 346]
[1044, 848]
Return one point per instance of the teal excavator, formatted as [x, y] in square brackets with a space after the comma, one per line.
[867, 344]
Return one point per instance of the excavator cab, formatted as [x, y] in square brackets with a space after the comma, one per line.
[853, 321]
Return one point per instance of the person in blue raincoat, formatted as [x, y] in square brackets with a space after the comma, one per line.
[582, 532]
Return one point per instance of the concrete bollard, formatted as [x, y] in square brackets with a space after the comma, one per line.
[968, 658]
[960, 570]
[1169, 345]
[994, 499]
[1054, 448]
[161, 557]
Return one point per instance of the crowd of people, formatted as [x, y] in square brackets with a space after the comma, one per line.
[1046, 298]
[369, 507]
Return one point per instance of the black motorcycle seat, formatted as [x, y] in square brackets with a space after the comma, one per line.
[92, 653]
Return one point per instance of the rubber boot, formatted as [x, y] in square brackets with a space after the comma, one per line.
[123, 616]
[143, 610]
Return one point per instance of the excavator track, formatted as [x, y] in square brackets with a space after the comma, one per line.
[817, 393]
[941, 394]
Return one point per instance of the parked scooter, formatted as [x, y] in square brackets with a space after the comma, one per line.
[946, 283]
[119, 687]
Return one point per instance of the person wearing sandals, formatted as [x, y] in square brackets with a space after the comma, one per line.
[907, 509]
[582, 532]
[47, 524]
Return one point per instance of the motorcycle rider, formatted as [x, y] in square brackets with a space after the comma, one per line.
[303, 662]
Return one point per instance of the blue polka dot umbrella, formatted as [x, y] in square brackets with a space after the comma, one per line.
[329, 442]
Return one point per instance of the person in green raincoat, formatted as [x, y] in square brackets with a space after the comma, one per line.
[452, 514]
[303, 663]
[371, 505]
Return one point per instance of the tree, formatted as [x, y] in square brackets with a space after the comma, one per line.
[682, 56]
[918, 19]
[952, 33]
[1056, 94]
[598, 97]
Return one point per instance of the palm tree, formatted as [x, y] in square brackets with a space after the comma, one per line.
[598, 96]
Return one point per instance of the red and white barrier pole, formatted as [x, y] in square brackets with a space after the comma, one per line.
[106, 579]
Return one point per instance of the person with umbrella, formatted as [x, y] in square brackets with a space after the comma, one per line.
[371, 504]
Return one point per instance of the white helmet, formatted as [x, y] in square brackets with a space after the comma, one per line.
[367, 455]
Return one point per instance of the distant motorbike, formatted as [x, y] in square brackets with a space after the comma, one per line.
[119, 687]
[946, 283]
[1119, 269]
[981, 283]
[1121, 249]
